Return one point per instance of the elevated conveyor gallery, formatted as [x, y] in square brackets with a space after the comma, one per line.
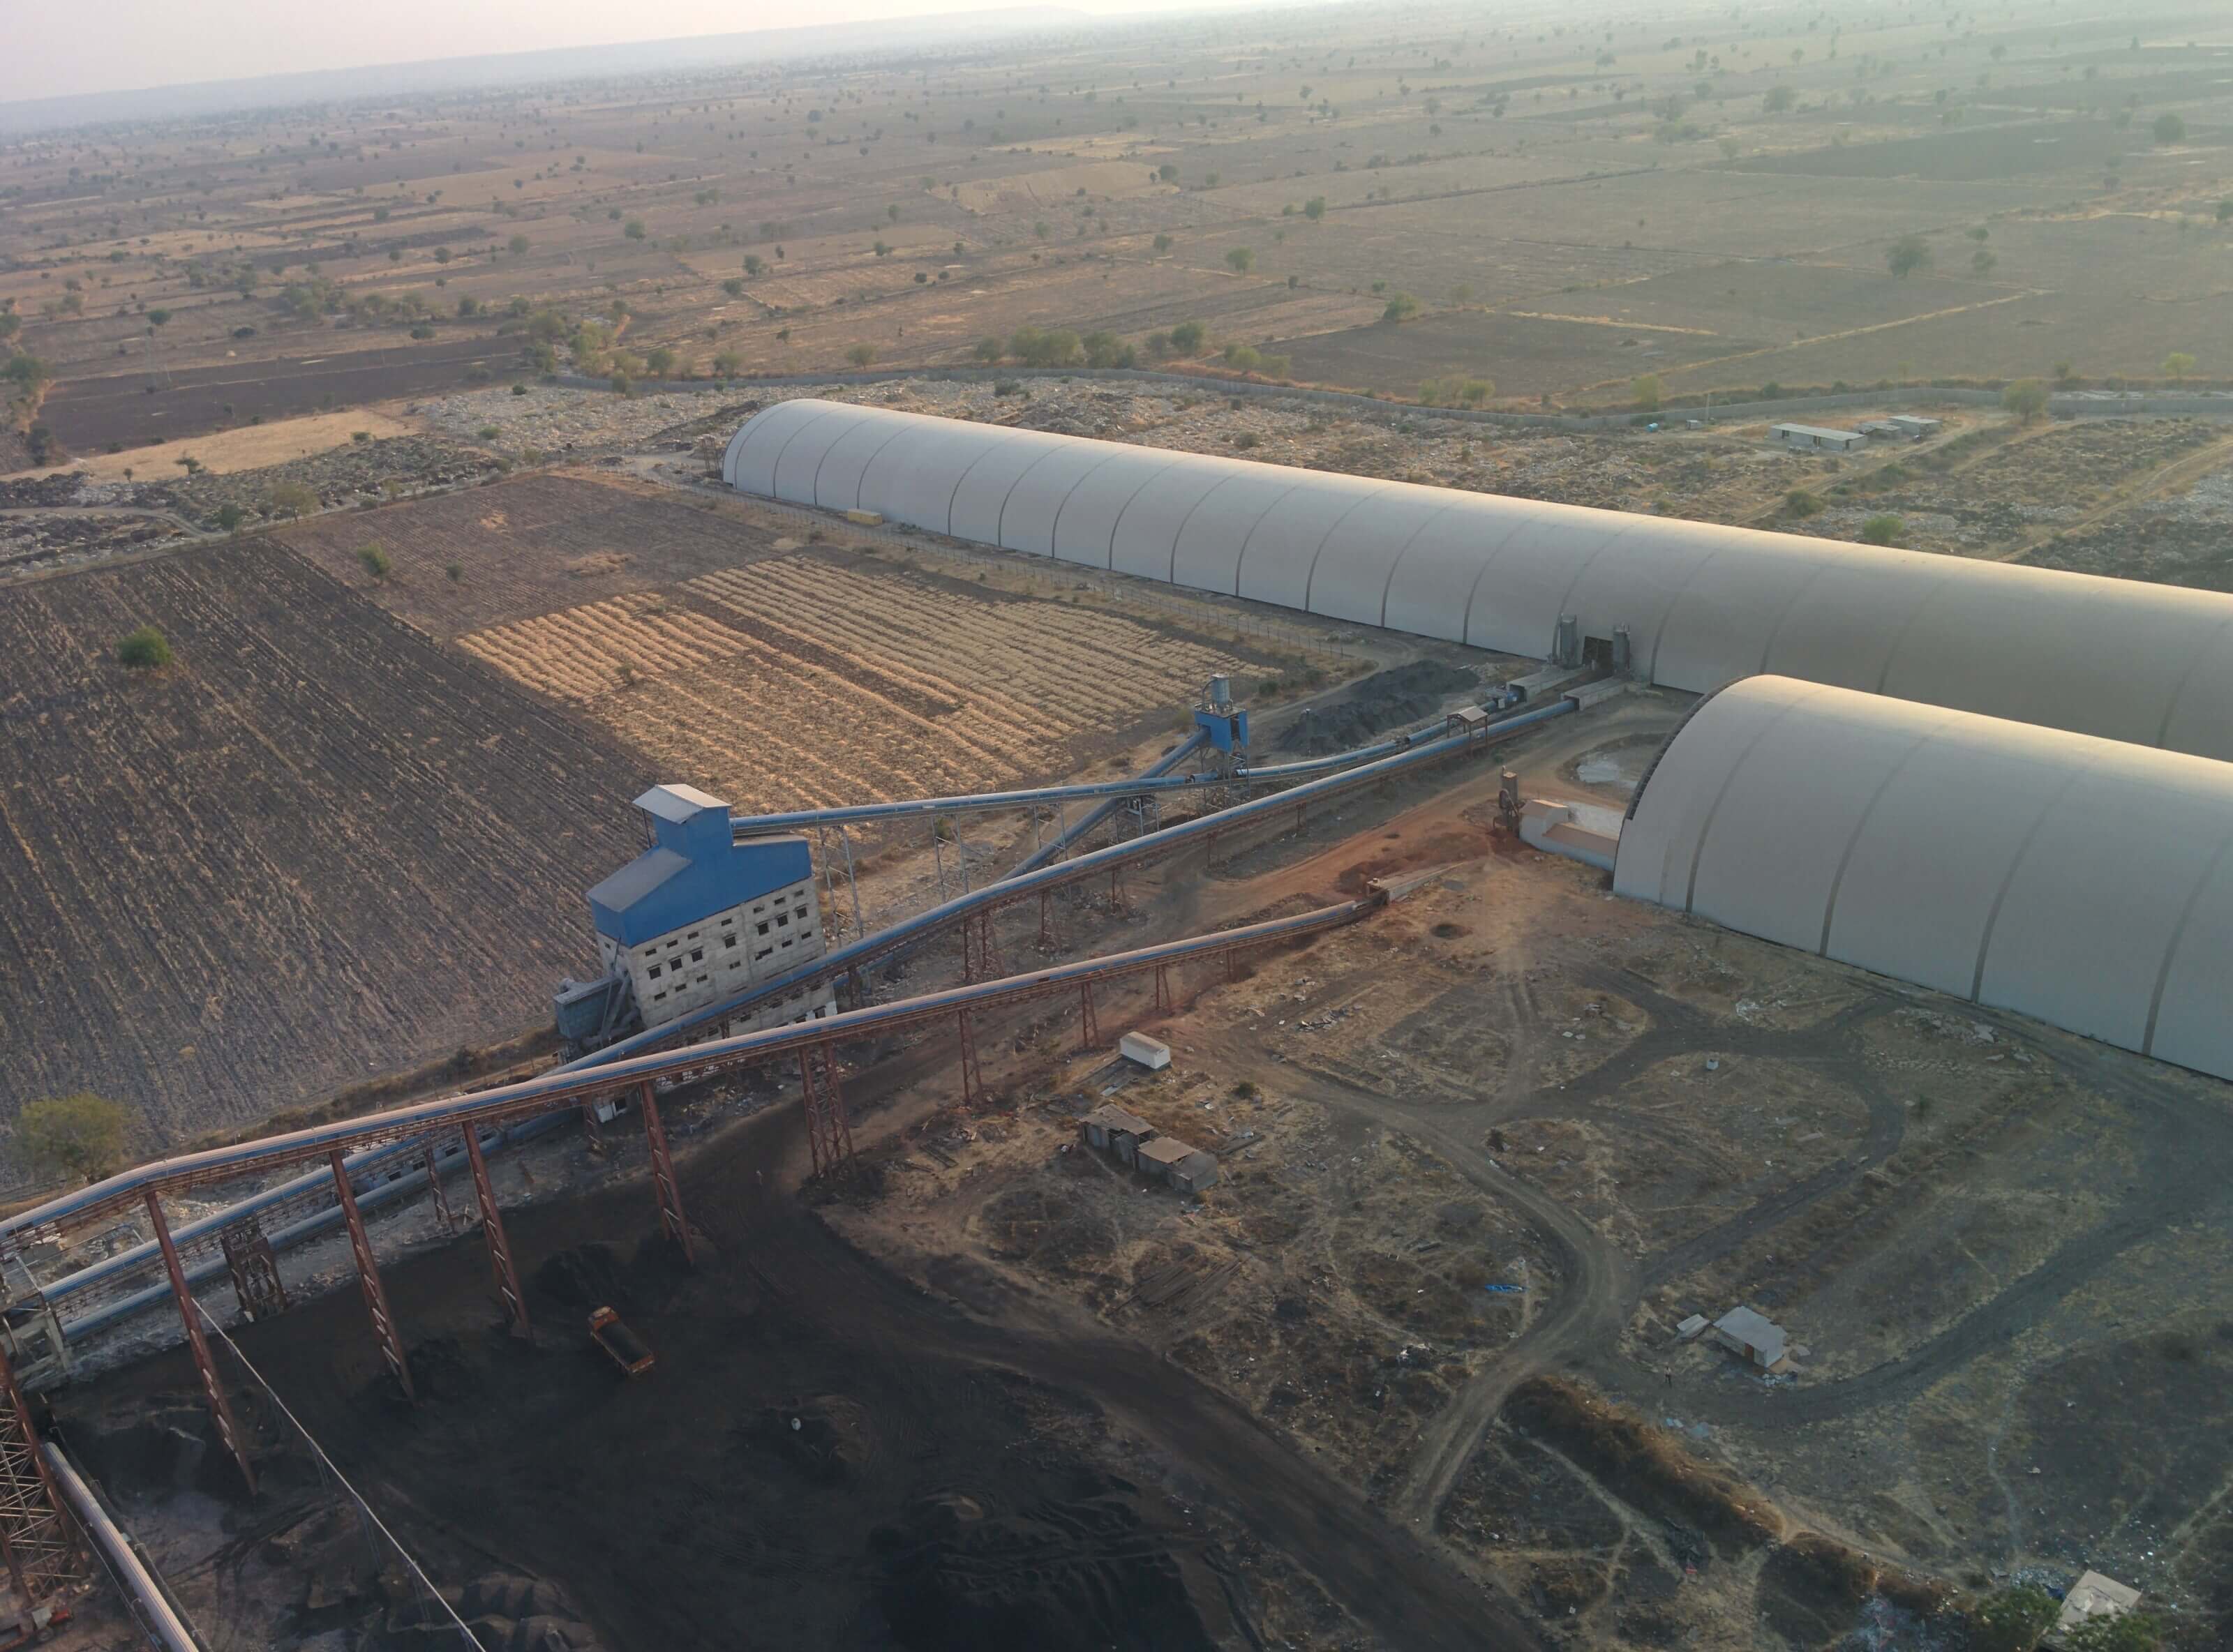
[1702, 603]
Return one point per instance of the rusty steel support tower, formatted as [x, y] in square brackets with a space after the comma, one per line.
[1089, 1024]
[492, 1234]
[828, 1135]
[228, 1429]
[434, 1189]
[663, 1182]
[973, 1077]
[35, 1537]
[367, 1277]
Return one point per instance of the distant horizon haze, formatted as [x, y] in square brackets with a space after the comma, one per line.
[143, 46]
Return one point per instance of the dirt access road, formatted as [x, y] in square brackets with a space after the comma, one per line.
[656, 1503]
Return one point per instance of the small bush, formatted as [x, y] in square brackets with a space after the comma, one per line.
[488, 432]
[1884, 529]
[456, 571]
[146, 649]
[375, 560]
[1801, 503]
[81, 1134]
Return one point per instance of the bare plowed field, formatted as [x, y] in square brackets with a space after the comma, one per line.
[523, 548]
[794, 682]
[313, 848]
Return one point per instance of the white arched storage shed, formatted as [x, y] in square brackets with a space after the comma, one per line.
[1702, 604]
[2084, 881]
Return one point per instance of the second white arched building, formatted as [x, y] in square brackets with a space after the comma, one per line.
[2087, 882]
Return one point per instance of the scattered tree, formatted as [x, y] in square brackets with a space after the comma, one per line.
[1983, 261]
[292, 498]
[1240, 260]
[1401, 307]
[80, 1135]
[1908, 254]
[2012, 1620]
[1883, 530]
[1801, 503]
[860, 354]
[1163, 244]
[1649, 393]
[375, 560]
[146, 649]
[1188, 336]
[2177, 364]
[456, 571]
[2169, 128]
[229, 517]
[2127, 1632]
[1778, 100]
[2026, 399]
[633, 229]
[1315, 208]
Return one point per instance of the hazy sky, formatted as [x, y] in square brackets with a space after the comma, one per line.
[54, 50]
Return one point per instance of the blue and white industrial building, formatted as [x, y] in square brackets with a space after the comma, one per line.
[696, 918]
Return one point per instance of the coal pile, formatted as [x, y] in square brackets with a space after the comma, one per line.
[960, 1575]
[1387, 700]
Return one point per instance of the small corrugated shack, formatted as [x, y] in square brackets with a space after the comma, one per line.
[1112, 1130]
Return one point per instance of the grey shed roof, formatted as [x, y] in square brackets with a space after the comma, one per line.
[1115, 1118]
[1167, 1149]
[1754, 1330]
[640, 877]
[677, 804]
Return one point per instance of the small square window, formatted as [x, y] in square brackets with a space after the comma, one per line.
[653, 971]
[728, 940]
[783, 920]
[762, 928]
[698, 954]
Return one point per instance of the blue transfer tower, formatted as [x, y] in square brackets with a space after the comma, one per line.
[696, 918]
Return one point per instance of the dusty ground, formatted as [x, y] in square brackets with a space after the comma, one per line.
[1560, 210]
[313, 847]
[1510, 1079]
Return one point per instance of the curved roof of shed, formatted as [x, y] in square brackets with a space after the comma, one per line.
[1703, 603]
[2087, 882]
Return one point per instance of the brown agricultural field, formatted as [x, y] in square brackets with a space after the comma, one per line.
[313, 848]
[795, 682]
[524, 549]
[1738, 185]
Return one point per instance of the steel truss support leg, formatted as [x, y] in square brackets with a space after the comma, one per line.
[228, 1430]
[858, 987]
[663, 1176]
[35, 1537]
[1089, 1024]
[368, 1276]
[1163, 1002]
[828, 1136]
[492, 1234]
[1232, 965]
[1046, 920]
[989, 964]
[852, 884]
[973, 1077]
[1116, 890]
[434, 1186]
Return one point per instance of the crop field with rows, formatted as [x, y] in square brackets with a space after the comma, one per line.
[313, 848]
[522, 547]
[795, 681]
